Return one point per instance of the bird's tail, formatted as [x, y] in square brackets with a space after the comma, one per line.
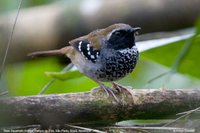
[62, 51]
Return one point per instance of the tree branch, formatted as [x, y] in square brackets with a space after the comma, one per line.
[96, 107]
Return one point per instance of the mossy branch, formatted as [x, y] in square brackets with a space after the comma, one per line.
[96, 107]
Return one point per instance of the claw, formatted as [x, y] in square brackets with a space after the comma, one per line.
[120, 89]
[109, 91]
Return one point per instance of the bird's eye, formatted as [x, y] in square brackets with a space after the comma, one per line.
[117, 33]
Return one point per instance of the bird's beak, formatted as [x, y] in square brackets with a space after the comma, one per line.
[136, 29]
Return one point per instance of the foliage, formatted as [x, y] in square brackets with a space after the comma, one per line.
[7, 5]
[28, 78]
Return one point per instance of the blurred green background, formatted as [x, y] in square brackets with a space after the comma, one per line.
[27, 77]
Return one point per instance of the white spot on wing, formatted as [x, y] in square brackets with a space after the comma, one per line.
[88, 47]
[92, 57]
[97, 55]
[79, 46]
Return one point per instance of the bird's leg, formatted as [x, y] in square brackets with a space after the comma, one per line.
[120, 88]
[108, 91]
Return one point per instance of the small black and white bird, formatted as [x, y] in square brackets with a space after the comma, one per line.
[104, 55]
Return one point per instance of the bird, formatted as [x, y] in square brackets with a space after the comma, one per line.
[103, 55]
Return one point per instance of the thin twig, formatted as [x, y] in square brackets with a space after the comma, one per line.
[182, 54]
[10, 39]
[182, 113]
[87, 129]
[156, 128]
[20, 127]
[67, 68]
[180, 57]
[186, 114]
[46, 86]
[3, 93]
[156, 77]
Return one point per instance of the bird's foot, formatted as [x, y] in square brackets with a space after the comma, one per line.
[109, 91]
[121, 89]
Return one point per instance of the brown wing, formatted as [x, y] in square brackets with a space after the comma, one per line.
[83, 45]
[91, 38]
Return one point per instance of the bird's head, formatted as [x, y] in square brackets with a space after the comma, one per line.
[120, 36]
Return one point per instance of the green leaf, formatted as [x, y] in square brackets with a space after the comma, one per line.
[64, 75]
[147, 69]
[28, 78]
[167, 54]
[198, 27]
[80, 84]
